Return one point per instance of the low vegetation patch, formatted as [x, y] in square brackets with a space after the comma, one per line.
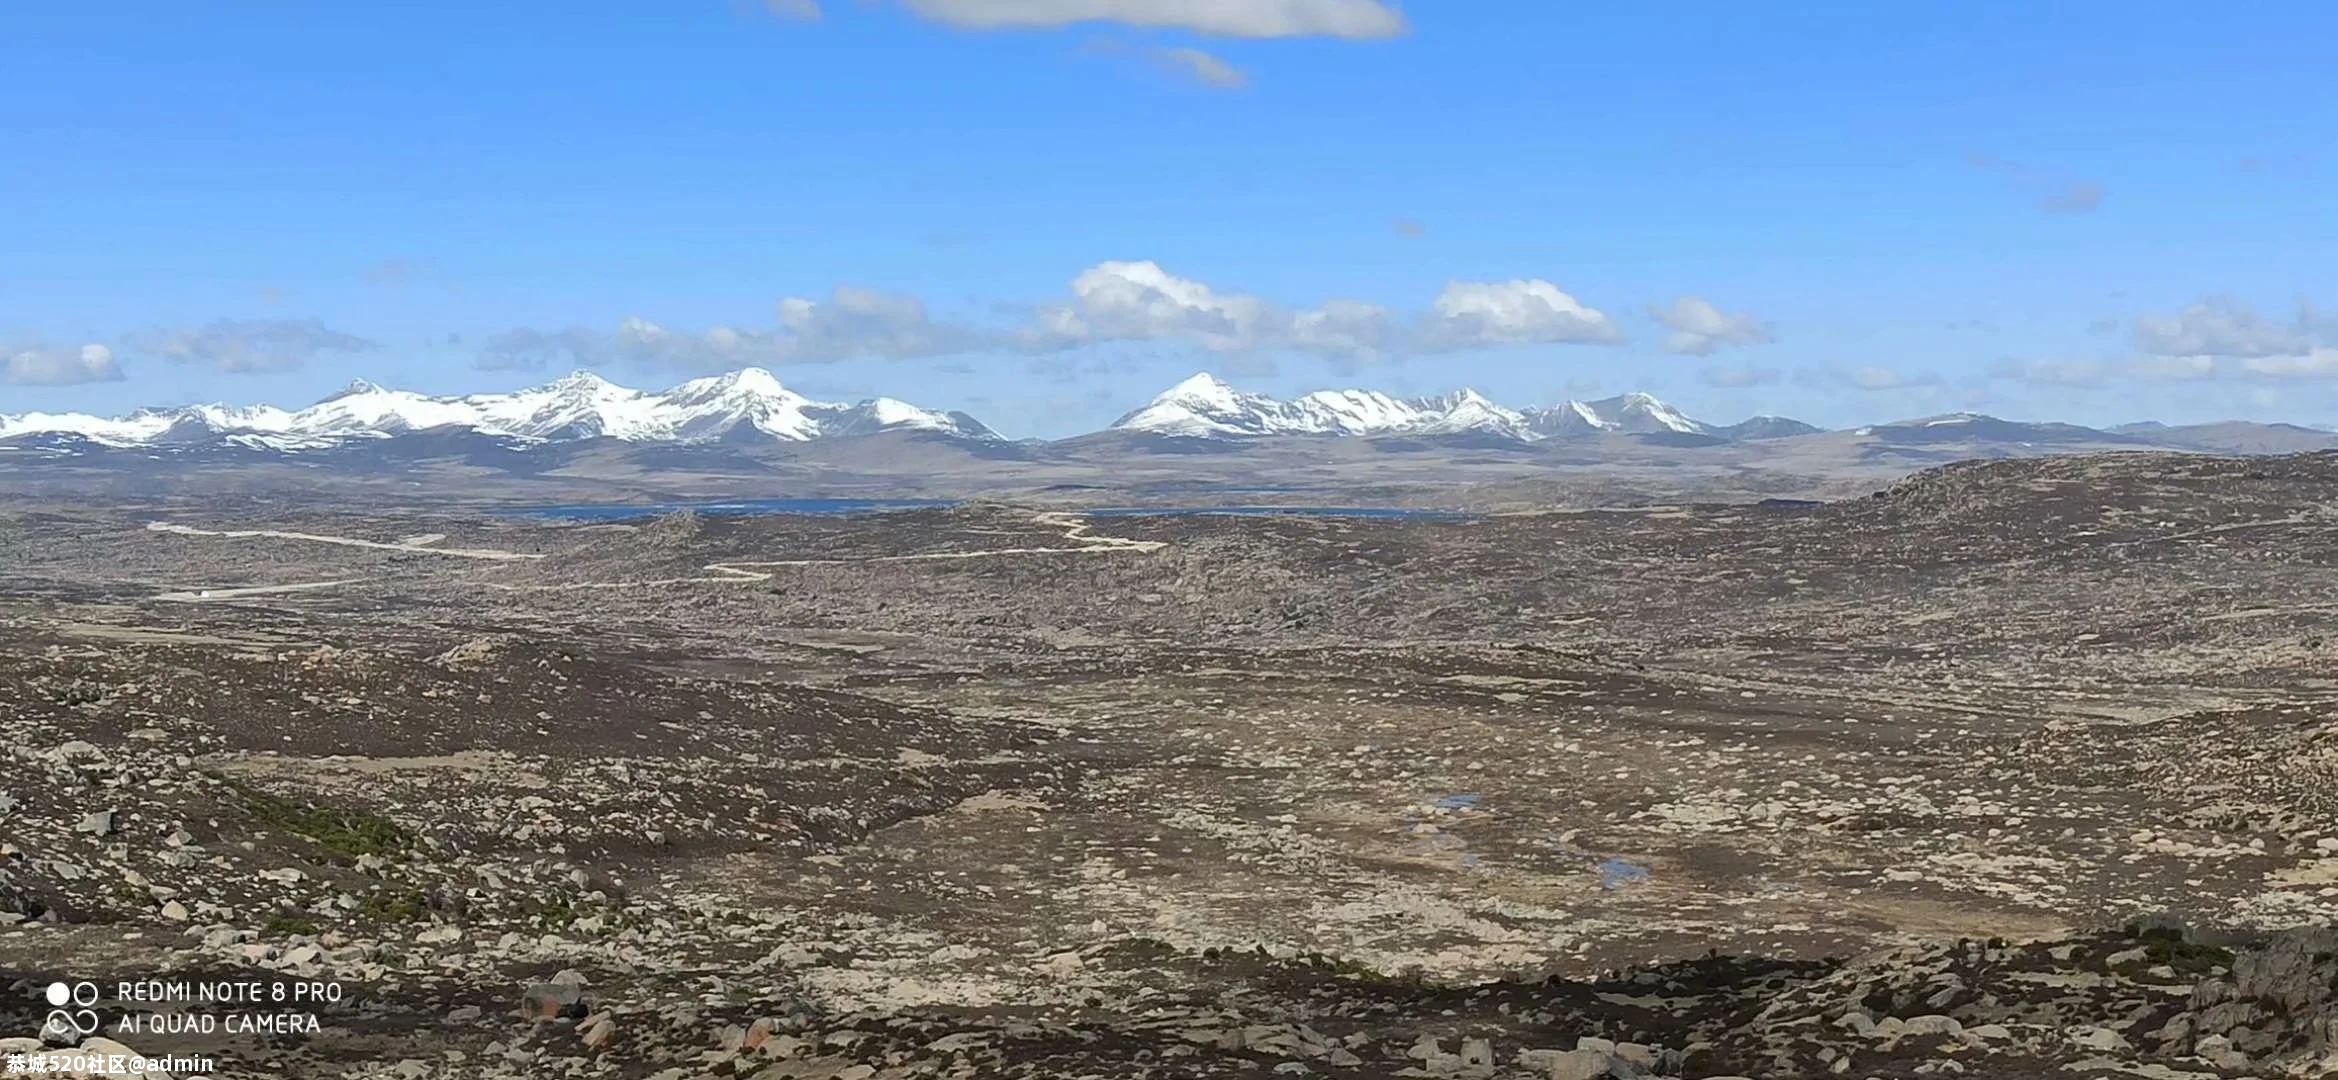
[394, 906]
[289, 925]
[345, 833]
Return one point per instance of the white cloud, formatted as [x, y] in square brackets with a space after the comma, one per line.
[1346, 330]
[852, 324]
[1699, 329]
[2221, 326]
[1875, 377]
[533, 350]
[2316, 363]
[856, 323]
[2220, 337]
[393, 273]
[722, 348]
[240, 347]
[1738, 378]
[807, 10]
[1140, 301]
[1224, 18]
[2072, 197]
[44, 366]
[1479, 314]
[2321, 363]
[2050, 192]
[1188, 63]
[2063, 373]
[1134, 302]
[1203, 68]
[2181, 368]
[636, 342]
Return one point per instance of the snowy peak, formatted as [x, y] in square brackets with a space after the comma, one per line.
[753, 404]
[1629, 414]
[892, 414]
[1205, 406]
[356, 388]
[750, 398]
[580, 384]
[1202, 388]
[745, 384]
[580, 405]
[1642, 414]
[1567, 418]
[1466, 410]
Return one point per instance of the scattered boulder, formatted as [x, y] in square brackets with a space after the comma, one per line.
[554, 1001]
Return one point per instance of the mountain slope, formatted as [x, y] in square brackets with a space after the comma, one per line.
[1980, 428]
[2233, 437]
[1766, 427]
[1204, 406]
[580, 406]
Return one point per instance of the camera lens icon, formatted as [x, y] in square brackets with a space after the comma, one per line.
[80, 995]
[70, 1015]
[75, 1024]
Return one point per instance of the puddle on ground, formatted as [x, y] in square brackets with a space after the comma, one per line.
[1616, 873]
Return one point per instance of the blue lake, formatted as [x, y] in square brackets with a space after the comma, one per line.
[743, 507]
[734, 507]
[1216, 489]
[1402, 512]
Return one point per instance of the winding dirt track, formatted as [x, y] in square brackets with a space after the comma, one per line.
[1075, 529]
[420, 545]
[197, 596]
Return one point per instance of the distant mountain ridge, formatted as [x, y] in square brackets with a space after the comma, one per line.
[1205, 406]
[579, 406]
[1201, 415]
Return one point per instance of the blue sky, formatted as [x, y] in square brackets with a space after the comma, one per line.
[1043, 211]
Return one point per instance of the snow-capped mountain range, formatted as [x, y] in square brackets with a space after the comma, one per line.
[580, 406]
[1204, 406]
[752, 403]
[751, 406]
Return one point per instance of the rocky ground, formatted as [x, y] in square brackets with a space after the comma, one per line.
[2015, 769]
